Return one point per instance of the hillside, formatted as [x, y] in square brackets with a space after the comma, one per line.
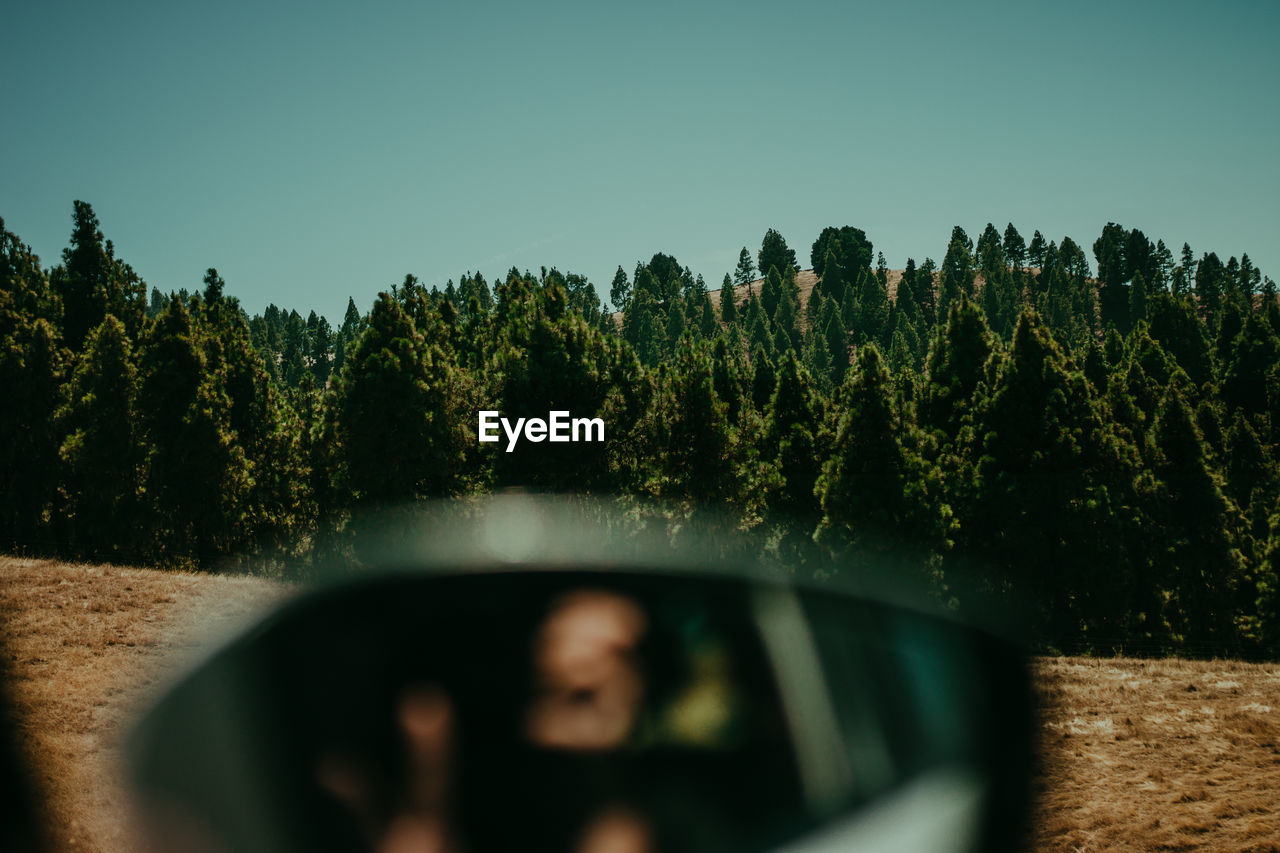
[805, 280]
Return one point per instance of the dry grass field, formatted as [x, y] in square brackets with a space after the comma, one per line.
[87, 645]
[1158, 755]
[1137, 755]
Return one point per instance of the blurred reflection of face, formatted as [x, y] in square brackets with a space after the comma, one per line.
[588, 687]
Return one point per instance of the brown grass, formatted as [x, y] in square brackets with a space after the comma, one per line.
[87, 645]
[1158, 755]
[1136, 755]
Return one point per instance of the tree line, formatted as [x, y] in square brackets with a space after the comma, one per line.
[1007, 425]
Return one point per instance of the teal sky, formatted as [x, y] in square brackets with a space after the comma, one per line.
[320, 150]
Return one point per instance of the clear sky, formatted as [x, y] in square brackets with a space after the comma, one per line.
[319, 150]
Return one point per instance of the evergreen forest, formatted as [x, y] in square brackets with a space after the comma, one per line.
[1087, 432]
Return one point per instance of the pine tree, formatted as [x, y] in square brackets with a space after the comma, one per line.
[620, 290]
[989, 253]
[1208, 420]
[1047, 478]
[782, 342]
[745, 272]
[294, 346]
[1270, 303]
[771, 292]
[792, 446]
[837, 340]
[1138, 299]
[764, 378]
[320, 354]
[832, 284]
[786, 319]
[850, 247]
[998, 300]
[908, 281]
[93, 283]
[1144, 350]
[399, 425]
[1015, 248]
[1230, 324]
[1248, 468]
[1197, 561]
[666, 274]
[813, 312]
[774, 254]
[817, 357]
[848, 304]
[26, 294]
[1163, 266]
[1035, 250]
[872, 321]
[954, 368]
[725, 377]
[101, 454]
[701, 463]
[1173, 323]
[1209, 287]
[957, 270]
[1267, 602]
[640, 328]
[728, 304]
[1114, 269]
[905, 304]
[761, 333]
[475, 288]
[31, 367]
[1252, 354]
[904, 347]
[1095, 366]
[276, 505]
[197, 475]
[554, 360]
[874, 494]
[926, 292]
[707, 324]
[347, 334]
[82, 279]
[676, 323]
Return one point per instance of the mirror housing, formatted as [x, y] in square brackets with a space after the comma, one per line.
[584, 673]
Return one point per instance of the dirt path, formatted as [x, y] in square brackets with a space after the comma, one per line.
[87, 646]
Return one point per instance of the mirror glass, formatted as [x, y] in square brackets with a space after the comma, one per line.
[584, 710]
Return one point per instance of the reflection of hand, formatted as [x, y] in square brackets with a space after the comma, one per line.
[421, 825]
[589, 688]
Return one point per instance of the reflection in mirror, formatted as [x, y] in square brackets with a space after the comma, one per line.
[583, 710]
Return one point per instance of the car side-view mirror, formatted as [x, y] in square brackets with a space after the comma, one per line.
[542, 701]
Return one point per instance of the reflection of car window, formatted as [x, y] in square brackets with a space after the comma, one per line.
[892, 681]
